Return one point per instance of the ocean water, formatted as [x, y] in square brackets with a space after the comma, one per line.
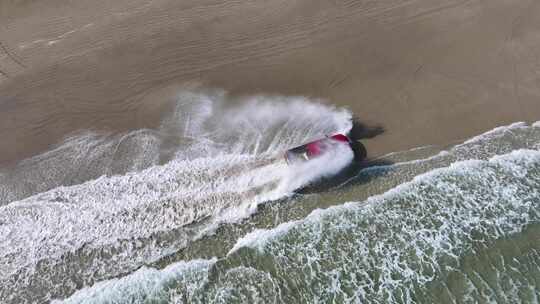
[204, 210]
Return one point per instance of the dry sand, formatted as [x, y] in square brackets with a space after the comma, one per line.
[429, 71]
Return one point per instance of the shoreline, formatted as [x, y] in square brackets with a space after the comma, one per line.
[429, 72]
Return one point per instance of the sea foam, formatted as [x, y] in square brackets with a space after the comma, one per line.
[228, 159]
[389, 248]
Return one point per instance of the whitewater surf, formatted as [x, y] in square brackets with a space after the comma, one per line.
[150, 193]
[423, 231]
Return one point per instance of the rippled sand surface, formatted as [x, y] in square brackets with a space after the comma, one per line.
[429, 71]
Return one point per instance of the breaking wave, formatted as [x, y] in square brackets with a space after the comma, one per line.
[414, 243]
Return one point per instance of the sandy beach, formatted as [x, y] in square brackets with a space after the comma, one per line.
[429, 72]
[142, 144]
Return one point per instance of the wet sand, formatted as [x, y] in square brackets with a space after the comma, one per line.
[428, 71]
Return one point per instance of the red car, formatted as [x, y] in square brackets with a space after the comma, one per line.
[315, 148]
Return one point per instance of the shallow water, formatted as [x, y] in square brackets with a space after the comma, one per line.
[203, 210]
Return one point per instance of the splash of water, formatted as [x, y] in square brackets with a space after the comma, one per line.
[221, 160]
[203, 124]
